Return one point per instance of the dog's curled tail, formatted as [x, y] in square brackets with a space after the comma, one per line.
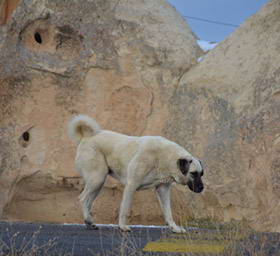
[82, 126]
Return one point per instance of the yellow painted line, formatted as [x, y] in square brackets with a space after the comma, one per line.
[209, 236]
[185, 246]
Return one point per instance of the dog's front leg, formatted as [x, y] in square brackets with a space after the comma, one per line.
[128, 193]
[163, 194]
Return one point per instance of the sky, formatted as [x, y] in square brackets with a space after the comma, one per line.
[231, 12]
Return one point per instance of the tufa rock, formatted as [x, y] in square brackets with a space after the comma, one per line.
[118, 61]
[228, 110]
[115, 60]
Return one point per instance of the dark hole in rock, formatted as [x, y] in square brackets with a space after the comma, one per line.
[26, 136]
[38, 37]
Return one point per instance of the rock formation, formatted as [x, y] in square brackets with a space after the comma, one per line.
[132, 65]
[116, 61]
[229, 110]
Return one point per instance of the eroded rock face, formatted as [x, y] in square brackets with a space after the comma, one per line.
[127, 63]
[229, 112]
[116, 61]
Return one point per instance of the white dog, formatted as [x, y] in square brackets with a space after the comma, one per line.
[137, 162]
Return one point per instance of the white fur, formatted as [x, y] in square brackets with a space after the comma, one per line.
[137, 162]
[77, 124]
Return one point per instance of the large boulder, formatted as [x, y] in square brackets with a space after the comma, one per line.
[227, 110]
[132, 65]
[116, 60]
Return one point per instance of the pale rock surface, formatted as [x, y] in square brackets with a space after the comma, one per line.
[96, 57]
[129, 65]
[228, 111]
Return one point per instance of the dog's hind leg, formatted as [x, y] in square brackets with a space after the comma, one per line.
[94, 172]
[87, 197]
[163, 194]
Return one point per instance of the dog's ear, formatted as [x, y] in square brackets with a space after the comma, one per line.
[184, 165]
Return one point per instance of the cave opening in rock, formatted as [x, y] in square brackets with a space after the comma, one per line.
[38, 38]
[26, 136]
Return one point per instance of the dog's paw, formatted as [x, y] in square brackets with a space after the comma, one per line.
[183, 230]
[90, 226]
[124, 228]
[178, 230]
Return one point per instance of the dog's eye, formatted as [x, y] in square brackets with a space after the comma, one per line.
[202, 173]
[194, 174]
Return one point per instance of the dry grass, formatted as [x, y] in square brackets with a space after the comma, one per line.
[28, 247]
[206, 237]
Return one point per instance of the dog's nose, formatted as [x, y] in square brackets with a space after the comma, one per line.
[199, 188]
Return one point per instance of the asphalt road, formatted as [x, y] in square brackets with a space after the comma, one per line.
[23, 239]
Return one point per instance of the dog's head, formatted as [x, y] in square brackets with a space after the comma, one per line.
[191, 171]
